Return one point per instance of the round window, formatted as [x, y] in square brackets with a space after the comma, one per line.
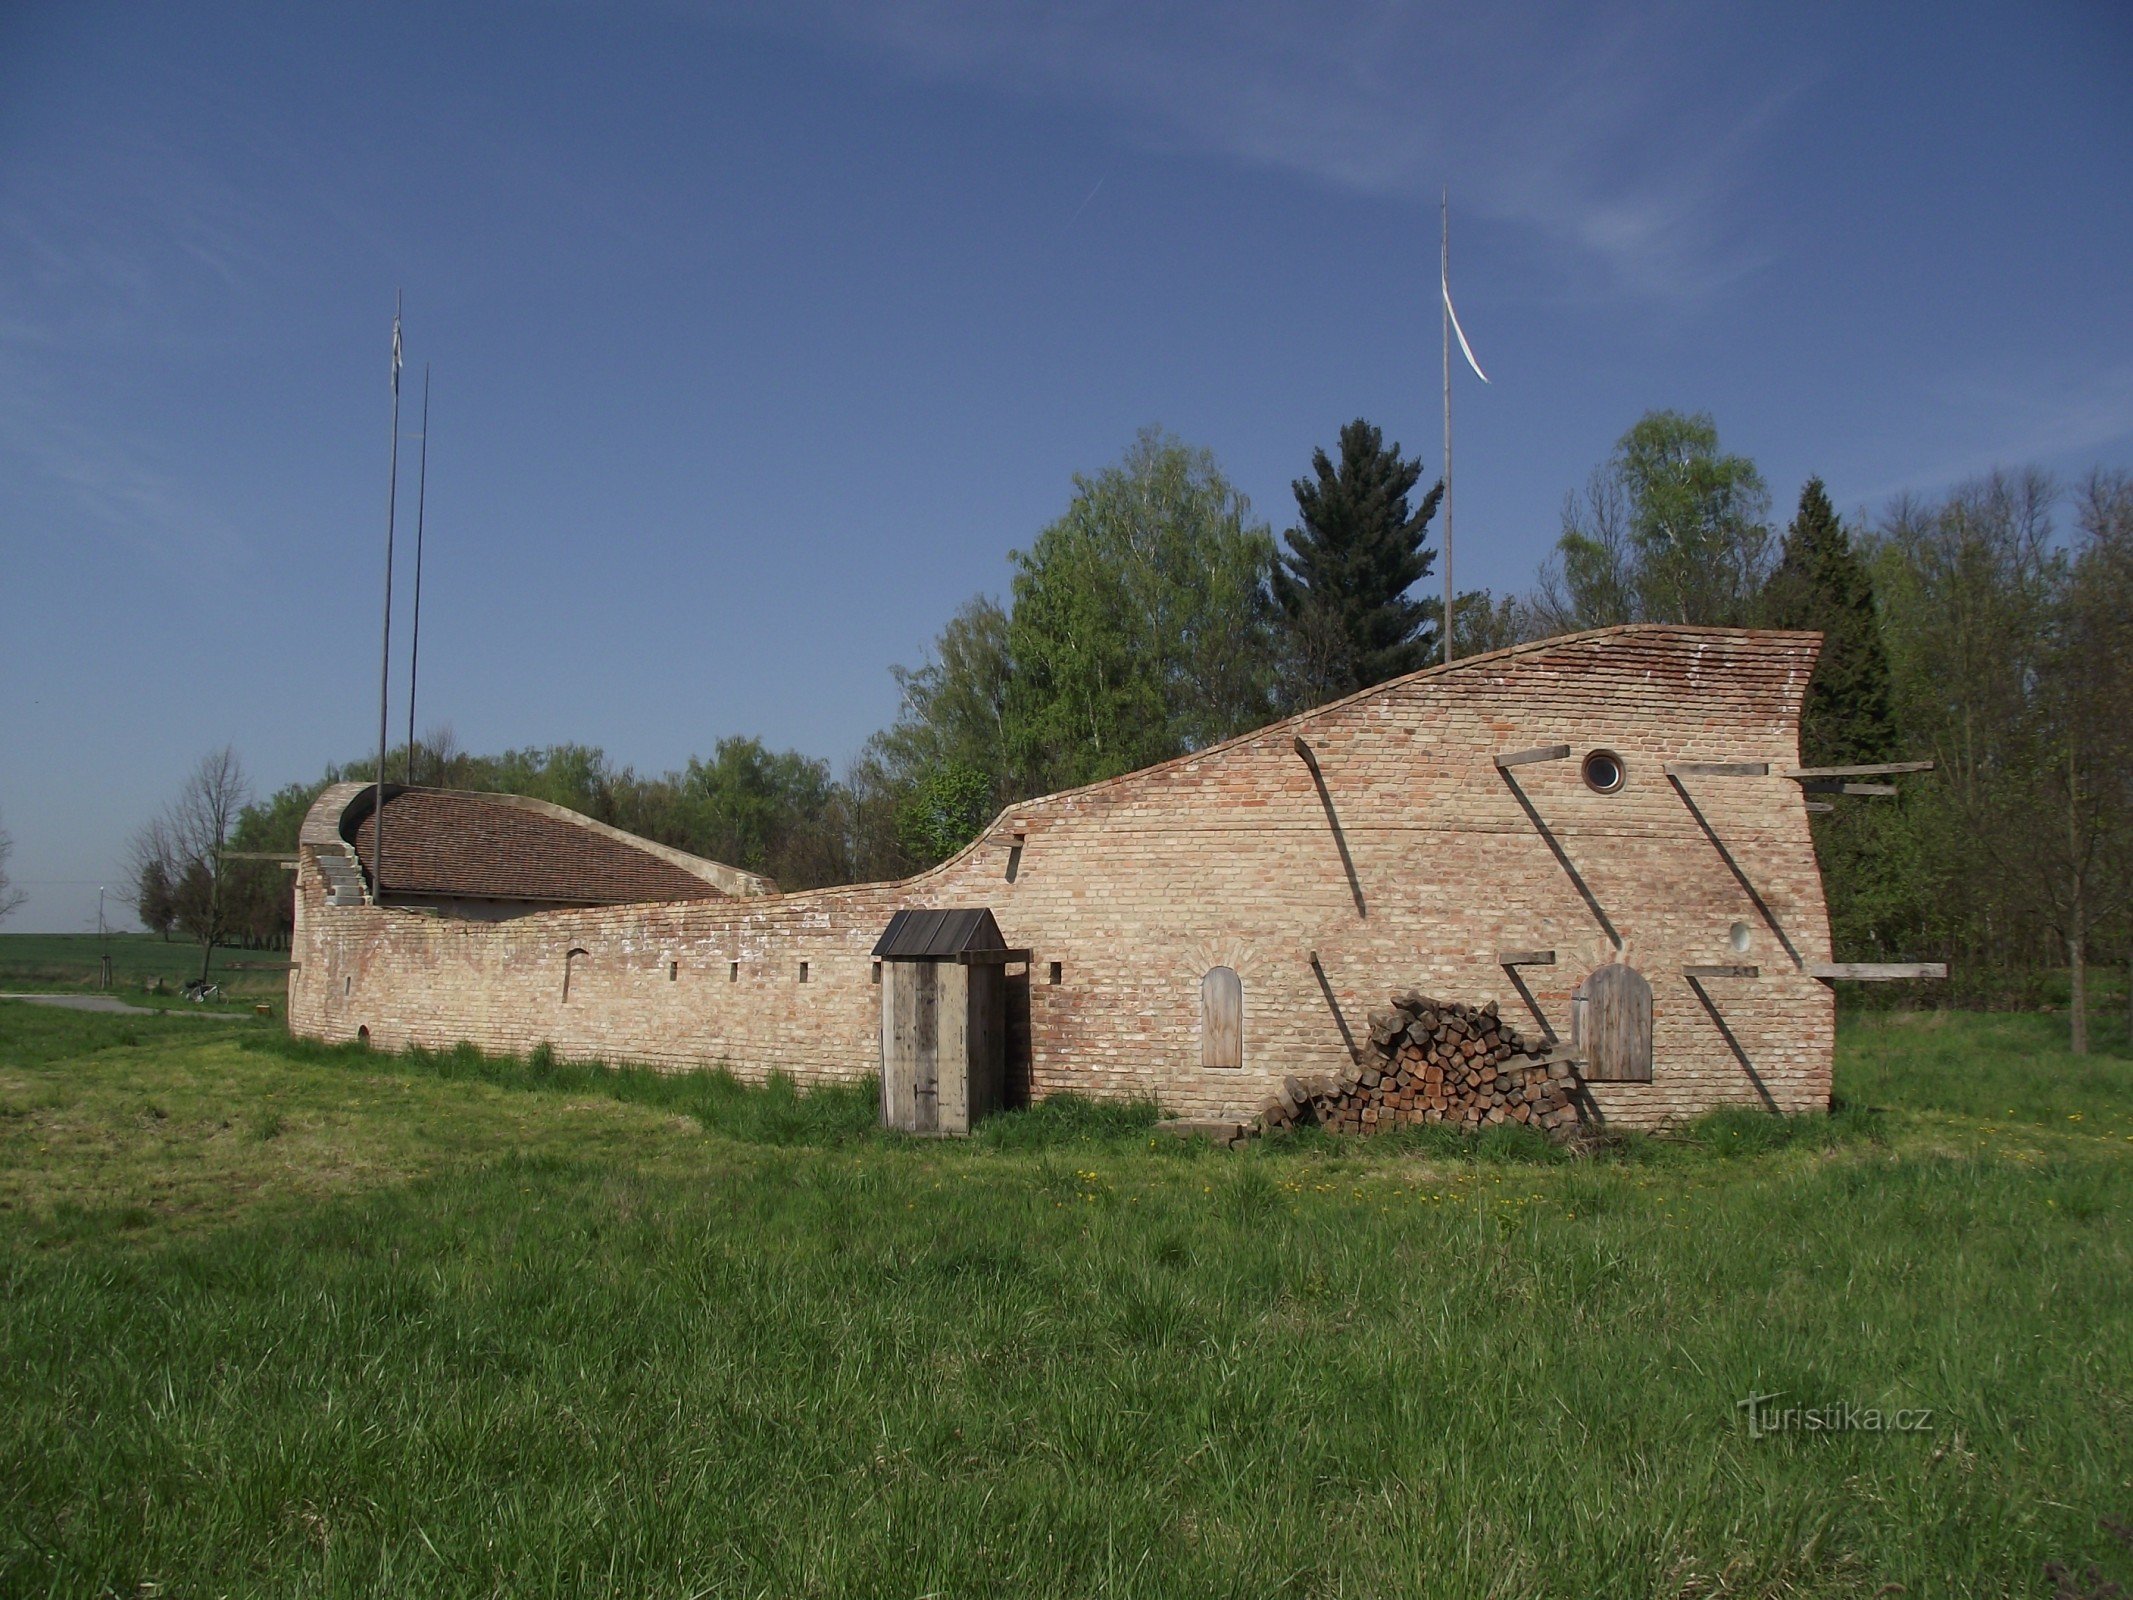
[1739, 938]
[1603, 771]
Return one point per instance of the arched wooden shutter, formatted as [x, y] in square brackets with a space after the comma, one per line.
[1614, 1026]
[1221, 1019]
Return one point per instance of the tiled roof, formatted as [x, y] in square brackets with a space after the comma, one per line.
[492, 847]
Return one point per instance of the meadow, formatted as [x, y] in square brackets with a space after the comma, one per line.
[145, 970]
[281, 1319]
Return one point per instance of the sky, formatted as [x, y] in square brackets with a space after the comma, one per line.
[760, 336]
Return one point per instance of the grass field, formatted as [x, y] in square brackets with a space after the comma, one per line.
[293, 1321]
[69, 963]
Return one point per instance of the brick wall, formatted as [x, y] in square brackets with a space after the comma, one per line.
[1136, 887]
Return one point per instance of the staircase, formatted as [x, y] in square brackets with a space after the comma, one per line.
[343, 875]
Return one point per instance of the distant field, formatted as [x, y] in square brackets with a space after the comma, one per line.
[69, 961]
[282, 1319]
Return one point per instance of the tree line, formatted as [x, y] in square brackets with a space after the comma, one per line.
[1986, 629]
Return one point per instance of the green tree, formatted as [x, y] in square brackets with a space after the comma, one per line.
[1821, 584]
[1671, 529]
[1342, 585]
[945, 810]
[1140, 627]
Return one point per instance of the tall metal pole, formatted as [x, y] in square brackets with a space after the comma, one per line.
[385, 654]
[422, 485]
[1444, 307]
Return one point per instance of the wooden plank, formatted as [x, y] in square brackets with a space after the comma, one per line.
[1875, 971]
[1820, 805]
[1721, 972]
[1833, 786]
[1617, 1024]
[1310, 759]
[1718, 769]
[1221, 1019]
[926, 1047]
[1525, 958]
[1875, 769]
[992, 958]
[1523, 758]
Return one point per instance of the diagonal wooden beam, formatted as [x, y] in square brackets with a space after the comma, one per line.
[1754, 895]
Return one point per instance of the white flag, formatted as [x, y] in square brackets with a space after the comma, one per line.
[396, 353]
[1465, 349]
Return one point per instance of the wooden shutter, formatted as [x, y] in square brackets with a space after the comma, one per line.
[1221, 1019]
[1615, 1026]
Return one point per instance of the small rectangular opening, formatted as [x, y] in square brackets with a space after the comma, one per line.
[733, 972]
[673, 970]
[348, 985]
[876, 978]
[803, 972]
[1051, 974]
[1014, 861]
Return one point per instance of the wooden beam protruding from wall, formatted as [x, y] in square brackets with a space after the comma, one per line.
[1721, 972]
[1718, 769]
[1526, 758]
[1875, 971]
[1874, 769]
[1835, 786]
[1525, 958]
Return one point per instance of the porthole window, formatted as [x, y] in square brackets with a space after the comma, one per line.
[1603, 771]
[1740, 938]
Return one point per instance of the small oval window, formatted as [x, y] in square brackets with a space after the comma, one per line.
[1603, 771]
[1740, 938]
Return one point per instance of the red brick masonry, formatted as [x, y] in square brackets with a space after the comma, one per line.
[1238, 856]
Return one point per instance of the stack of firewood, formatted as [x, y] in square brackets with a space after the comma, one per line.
[1435, 1061]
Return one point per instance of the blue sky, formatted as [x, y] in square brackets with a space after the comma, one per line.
[761, 335]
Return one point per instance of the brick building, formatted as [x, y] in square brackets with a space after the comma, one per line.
[1502, 828]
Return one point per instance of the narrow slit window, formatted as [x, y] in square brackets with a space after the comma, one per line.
[673, 970]
[733, 972]
[570, 963]
[803, 972]
[1052, 974]
[876, 976]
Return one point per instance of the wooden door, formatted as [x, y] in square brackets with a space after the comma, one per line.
[1614, 1017]
[1221, 1019]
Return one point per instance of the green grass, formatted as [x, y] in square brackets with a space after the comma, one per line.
[69, 962]
[295, 1321]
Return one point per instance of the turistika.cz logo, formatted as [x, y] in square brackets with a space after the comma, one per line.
[1766, 1417]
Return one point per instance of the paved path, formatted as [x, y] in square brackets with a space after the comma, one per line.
[86, 1002]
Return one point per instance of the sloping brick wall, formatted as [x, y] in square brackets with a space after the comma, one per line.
[1138, 886]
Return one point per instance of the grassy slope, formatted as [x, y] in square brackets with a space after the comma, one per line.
[296, 1321]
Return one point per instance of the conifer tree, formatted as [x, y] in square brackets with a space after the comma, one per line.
[1822, 584]
[1342, 584]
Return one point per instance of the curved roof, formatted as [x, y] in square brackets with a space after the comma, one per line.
[461, 845]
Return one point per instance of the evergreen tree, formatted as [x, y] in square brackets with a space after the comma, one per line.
[1822, 584]
[1342, 584]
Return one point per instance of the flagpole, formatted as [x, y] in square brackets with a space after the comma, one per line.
[385, 654]
[422, 485]
[1444, 276]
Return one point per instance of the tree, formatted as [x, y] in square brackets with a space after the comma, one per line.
[1669, 530]
[179, 855]
[1821, 584]
[940, 771]
[11, 898]
[1342, 585]
[1140, 627]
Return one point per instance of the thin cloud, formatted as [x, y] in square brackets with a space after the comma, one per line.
[1584, 126]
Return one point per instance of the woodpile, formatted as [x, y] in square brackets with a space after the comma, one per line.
[1435, 1061]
